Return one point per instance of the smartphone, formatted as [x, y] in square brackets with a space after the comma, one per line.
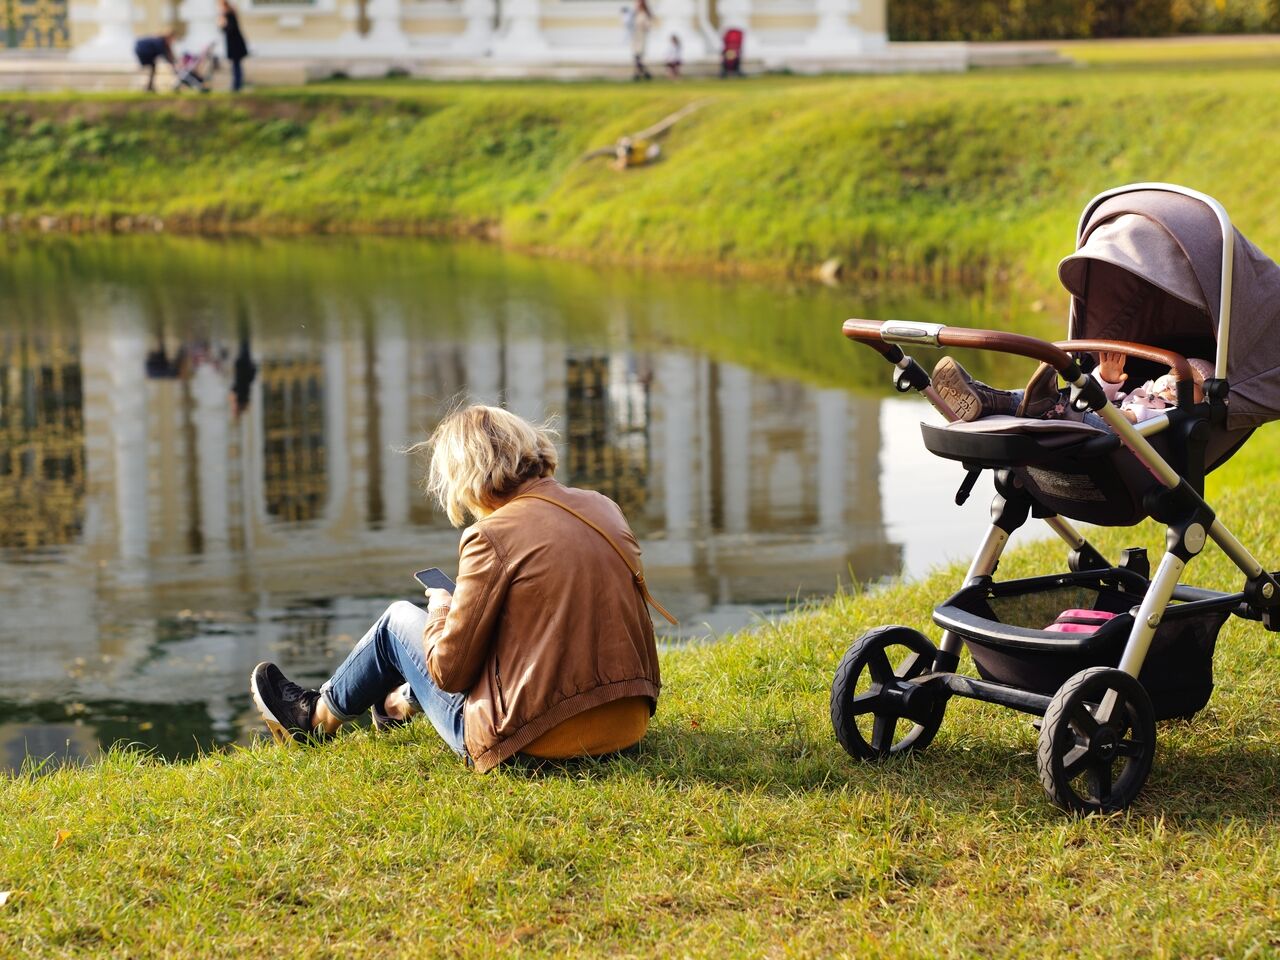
[433, 578]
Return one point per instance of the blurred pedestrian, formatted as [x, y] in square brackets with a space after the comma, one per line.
[641, 22]
[675, 57]
[237, 49]
[150, 49]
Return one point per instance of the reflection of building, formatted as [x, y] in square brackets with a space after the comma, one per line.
[41, 441]
[213, 541]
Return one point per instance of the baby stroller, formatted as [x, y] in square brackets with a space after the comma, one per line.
[731, 55]
[191, 70]
[1139, 647]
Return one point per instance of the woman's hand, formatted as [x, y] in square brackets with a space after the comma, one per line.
[1111, 367]
[438, 599]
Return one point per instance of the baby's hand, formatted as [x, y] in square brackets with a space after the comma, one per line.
[1111, 367]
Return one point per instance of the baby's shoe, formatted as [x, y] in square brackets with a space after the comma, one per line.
[968, 398]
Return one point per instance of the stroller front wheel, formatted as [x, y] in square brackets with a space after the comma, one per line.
[1097, 742]
[872, 700]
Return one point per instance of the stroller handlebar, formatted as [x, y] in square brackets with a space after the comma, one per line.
[885, 337]
[1174, 361]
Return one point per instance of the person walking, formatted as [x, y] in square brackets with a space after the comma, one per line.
[150, 49]
[545, 646]
[237, 49]
[641, 23]
[675, 57]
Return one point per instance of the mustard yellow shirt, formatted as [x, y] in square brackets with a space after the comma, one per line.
[611, 726]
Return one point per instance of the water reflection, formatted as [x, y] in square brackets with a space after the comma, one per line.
[199, 463]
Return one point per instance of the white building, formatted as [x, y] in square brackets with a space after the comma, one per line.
[513, 33]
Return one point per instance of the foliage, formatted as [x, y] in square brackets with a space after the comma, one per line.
[1073, 19]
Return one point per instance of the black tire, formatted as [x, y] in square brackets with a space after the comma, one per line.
[1079, 751]
[868, 659]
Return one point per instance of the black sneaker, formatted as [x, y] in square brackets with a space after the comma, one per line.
[288, 709]
[968, 398]
[1041, 395]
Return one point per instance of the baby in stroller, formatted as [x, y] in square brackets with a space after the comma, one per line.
[195, 70]
[972, 399]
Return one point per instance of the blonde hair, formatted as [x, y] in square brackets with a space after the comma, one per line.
[480, 455]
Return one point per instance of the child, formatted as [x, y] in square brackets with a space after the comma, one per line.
[675, 57]
[1042, 400]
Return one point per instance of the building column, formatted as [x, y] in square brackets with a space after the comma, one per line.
[833, 472]
[735, 14]
[385, 36]
[733, 399]
[201, 18]
[211, 416]
[833, 33]
[685, 20]
[113, 43]
[519, 35]
[477, 38]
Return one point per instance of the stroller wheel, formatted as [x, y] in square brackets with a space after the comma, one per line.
[871, 702]
[1097, 742]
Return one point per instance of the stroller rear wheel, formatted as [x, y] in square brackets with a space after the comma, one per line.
[1097, 742]
[871, 702]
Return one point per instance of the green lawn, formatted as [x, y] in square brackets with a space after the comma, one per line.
[741, 829]
[976, 178]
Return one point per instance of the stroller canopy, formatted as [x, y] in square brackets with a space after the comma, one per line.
[1149, 269]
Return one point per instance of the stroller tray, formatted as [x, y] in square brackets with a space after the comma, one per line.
[1003, 624]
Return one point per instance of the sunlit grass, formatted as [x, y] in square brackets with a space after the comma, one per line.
[970, 180]
[740, 829]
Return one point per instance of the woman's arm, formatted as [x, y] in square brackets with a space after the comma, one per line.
[457, 638]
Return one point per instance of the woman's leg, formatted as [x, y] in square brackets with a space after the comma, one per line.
[237, 75]
[389, 655]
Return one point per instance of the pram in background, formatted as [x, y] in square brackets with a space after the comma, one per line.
[195, 70]
[731, 53]
[1100, 690]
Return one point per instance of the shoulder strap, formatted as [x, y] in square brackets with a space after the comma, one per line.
[636, 573]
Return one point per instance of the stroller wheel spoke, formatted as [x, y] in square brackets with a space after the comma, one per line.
[878, 664]
[1100, 780]
[883, 731]
[1075, 761]
[913, 666]
[864, 703]
[1130, 748]
[1083, 721]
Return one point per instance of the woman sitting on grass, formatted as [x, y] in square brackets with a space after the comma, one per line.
[545, 648]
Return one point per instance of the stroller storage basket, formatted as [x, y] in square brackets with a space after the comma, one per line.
[1003, 626]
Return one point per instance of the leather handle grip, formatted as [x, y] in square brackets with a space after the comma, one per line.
[871, 333]
[1174, 361]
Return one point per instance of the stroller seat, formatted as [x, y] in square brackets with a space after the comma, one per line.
[1070, 468]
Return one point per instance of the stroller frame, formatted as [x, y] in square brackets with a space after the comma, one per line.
[1100, 716]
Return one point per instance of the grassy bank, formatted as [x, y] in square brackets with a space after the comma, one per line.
[977, 177]
[741, 829]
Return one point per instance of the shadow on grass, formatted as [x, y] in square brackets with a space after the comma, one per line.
[1190, 786]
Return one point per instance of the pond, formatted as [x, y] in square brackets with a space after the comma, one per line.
[200, 461]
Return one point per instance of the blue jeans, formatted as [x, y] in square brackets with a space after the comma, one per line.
[237, 75]
[386, 657]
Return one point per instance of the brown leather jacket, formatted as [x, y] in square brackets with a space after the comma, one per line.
[545, 622]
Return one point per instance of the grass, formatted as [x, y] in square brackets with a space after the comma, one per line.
[975, 178]
[740, 829]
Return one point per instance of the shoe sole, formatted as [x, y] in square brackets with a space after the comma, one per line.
[957, 394]
[279, 732]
